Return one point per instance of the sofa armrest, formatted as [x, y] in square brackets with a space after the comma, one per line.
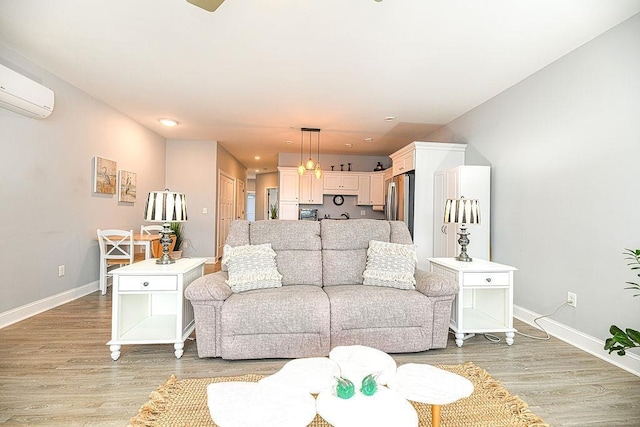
[435, 284]
[209, 287]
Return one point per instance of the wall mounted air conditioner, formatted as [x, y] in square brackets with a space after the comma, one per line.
[22, 95]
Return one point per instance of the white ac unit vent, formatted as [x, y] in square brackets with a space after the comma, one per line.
[22, 95]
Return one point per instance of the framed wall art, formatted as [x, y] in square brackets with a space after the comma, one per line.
[127, 187]
[104, 179]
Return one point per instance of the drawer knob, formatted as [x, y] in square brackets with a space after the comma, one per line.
[488, 279]
[145, 284]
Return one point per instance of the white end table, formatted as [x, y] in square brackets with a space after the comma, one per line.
[484, 303]
[149, 306]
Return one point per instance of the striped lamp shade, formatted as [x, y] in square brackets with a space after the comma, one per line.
[166, 206]
[462, 211]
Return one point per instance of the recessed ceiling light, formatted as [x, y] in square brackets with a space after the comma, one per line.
[257, 157]
[368, 140]
[257, 170]
[389, 118]
[287, 142]
[168, 122]
[348, 144]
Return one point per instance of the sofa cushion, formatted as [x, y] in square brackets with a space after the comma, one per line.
[344, 248]
[298, 248]
[380, 317]
[390, 264]
[251, 267]
[290, 321]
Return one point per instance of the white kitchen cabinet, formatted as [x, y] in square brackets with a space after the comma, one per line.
[288, 193]
[377, 189]
[484, 303]
[403, 160]
[470, 182]
[344, 183]
[289, 184]
[289, 210]
[364, 190]
[371, 191]
[310, 189]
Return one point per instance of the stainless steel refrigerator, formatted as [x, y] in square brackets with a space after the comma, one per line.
[399, 199]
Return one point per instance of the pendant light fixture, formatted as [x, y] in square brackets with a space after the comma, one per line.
[310, 164]
[301, 167]
[318, 171]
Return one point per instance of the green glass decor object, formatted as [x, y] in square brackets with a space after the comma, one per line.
[369, 385]
[345, 388]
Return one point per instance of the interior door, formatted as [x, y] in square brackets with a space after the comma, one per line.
[226, 185]
[240, 200]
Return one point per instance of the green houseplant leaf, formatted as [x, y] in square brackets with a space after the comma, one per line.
[621, 340]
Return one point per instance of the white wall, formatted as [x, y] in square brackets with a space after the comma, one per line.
[49, 213]
[191, 169]
[565, 153]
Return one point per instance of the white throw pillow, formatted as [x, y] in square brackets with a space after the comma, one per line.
[390, 264]
[251, 267]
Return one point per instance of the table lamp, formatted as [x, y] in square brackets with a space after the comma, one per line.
[165, 207]
[462, 211]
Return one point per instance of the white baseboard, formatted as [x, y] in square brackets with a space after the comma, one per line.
[630, 362]
[20, 313]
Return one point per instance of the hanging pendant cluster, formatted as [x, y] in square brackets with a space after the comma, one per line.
[310, 165]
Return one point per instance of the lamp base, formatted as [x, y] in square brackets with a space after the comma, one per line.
[463, 241]
[165, 241]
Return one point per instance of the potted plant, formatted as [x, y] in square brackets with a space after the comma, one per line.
[274, 211]
[177, 231]
[622, 340]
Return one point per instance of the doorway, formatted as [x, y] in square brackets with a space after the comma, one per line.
[251, 206]
[272, 203]
[226, 184]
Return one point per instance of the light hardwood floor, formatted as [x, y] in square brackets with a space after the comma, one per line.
[56, 370]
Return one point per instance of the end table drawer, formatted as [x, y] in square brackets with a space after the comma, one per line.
[486, 279]
[148, 283]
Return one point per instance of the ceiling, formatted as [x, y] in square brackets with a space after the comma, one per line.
[254, 72]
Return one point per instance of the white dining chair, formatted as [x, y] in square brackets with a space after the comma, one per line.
[156, 248]
[116, 249]
[150, 229]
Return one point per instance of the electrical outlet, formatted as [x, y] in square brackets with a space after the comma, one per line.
[572, 299]
[60, 270]
[363, 213]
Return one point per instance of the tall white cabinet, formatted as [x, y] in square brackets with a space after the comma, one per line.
[426, 158]
[470, 182]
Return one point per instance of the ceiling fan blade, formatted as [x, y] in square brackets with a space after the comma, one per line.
[208, 5]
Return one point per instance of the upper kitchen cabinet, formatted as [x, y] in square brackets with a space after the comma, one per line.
[310, 189]
[289, 190]
[343, 183]
[371, 190]
[404, 160]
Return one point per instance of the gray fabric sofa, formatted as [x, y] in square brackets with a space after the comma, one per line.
[322, 303]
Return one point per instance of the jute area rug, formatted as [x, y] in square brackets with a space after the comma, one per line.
[179, 403]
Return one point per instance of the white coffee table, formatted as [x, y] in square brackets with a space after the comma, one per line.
[300, 378]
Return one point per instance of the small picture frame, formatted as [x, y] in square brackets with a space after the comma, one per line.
[104, 176]
[126, 187]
